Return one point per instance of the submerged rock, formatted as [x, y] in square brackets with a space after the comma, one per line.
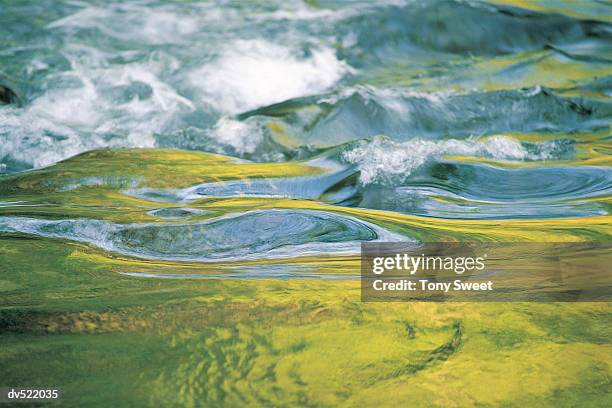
[7, 95]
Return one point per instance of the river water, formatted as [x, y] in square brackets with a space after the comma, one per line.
[454, 110]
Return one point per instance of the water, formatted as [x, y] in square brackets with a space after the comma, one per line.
[252, 235]
[453, 110]
[185, 187]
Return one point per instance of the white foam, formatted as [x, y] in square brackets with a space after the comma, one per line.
[78, 113]
[254, 73]
[382, 158]
[244, 137]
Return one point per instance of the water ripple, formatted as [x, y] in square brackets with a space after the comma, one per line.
[250, 235]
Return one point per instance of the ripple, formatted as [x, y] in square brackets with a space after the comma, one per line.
[301, 187]
[282, 271]
[485, 182]
[250, 235]
[173, 213]
[436, 202]
[464, 191]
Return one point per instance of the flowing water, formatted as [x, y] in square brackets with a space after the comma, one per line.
[185, 186]
[445, 110]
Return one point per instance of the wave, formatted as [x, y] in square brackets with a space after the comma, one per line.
[417, 177]
[414, 177]
[366, 111]
[382, 159]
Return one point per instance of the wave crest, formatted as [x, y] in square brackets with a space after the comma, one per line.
[381, 159]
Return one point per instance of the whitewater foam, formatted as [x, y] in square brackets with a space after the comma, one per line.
[242, 136]
[382, 158]
[92, 105]
[254, 73]
[151, 73]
